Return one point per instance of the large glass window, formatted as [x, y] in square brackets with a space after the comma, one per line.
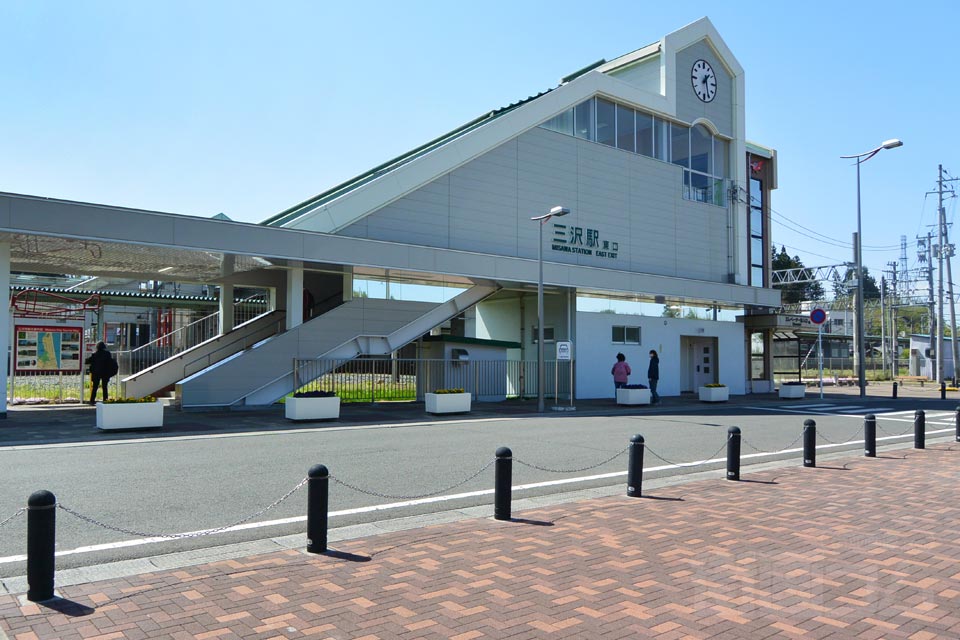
[606, 122]
[702, 155]
[626, 129]
[701, 149]
[758, 359]
[584, 126]
[757, 244]
[645, 134]
[680, 145]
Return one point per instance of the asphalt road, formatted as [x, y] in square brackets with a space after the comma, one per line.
[176, 485]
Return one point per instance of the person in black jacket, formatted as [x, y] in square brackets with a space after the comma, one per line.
[653, 375]
[100, 371]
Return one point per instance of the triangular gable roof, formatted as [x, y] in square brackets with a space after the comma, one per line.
[352, 200]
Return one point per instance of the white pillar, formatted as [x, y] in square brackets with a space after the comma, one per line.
[294, 297]
[226, 295]
[6, 327]
[226, 308]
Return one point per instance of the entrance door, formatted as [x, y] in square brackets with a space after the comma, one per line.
[704, 362]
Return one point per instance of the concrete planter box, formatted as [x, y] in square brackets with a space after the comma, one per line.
[714, 394]
[312, 408]
[633, 396]
[447, 402]
[793, 390]
[129, 415]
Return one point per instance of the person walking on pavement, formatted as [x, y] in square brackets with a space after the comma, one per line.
[653, 376]
[620, 371]
[101, 370]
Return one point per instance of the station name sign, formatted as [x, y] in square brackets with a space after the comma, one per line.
[583, 241]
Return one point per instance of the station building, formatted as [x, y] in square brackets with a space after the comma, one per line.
[665, 246]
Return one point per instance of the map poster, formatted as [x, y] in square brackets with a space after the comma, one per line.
[54, 349]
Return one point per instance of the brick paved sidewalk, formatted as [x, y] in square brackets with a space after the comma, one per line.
[866, 549]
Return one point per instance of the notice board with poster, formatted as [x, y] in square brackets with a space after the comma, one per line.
[51, 349]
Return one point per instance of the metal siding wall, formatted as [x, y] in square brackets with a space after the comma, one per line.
[636, 201]
[645, 75]
[720, 110]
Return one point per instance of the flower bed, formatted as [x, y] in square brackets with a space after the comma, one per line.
[792, 390]
[448, 401]
[312, 405]
[714, 393]
[128, 413]
[633, 396]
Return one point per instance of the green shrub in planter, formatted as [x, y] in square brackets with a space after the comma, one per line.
[315, 394]
[714, 385]
[449, 391]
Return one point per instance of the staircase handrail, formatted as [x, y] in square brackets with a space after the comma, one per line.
[172, 334]
[231, 344]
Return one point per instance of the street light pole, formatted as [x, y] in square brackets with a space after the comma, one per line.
[860, 325]
[555, 212]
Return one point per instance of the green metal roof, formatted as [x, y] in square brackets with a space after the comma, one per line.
[296, 211]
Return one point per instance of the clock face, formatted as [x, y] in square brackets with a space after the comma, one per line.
[704, 80]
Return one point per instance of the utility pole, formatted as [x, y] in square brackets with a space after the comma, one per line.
[931, 308]
[883, 332]
[894, 371]
[941, 228]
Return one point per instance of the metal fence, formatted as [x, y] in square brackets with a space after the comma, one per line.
[400, 379]
[834, 369]
[42, 387]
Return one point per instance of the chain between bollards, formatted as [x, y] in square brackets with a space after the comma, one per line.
[733, 453]
[809, 443]
[318, 502]
[870, 436]
[502, 484]
[919, 429]
[635, 466]
[41, 545]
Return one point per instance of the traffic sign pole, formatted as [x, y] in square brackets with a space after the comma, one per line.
[818, 316]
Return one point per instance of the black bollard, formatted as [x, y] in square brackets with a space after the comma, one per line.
[919, 429]
[956, 421]
[318, 502]
[733, 453]
[635, 465]
[502, 484]
[41, 543]
[870, 435]
[809, 443]
[943, 390]
[894, 389]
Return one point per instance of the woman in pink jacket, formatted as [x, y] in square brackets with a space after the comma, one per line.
[620, 371]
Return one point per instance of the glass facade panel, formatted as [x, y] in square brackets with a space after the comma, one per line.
[626, 129]
[757, 243]
[756, 276]
[680, 145]
[758, 360]
[661, 140]
[617, 335]
[756, 221]
[606, 122]
[562, 123]
[720, 150]
[701, 149]
[645, 134]
[632, 335]
[584, 125]
[756, 250]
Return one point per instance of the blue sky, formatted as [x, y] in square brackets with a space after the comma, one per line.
[248, 108]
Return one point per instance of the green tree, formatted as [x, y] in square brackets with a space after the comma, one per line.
[795, 291]
[670, 311]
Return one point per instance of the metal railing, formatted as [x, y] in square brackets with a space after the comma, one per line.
[185, 338]
[397, 379]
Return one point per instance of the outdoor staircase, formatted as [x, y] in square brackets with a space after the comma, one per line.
[364, 326]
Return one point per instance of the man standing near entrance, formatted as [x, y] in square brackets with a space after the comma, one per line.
[101, 365]
[653, 376]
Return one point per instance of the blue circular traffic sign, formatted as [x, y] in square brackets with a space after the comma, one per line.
[818, 316]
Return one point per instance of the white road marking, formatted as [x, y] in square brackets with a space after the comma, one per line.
[458, 496]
